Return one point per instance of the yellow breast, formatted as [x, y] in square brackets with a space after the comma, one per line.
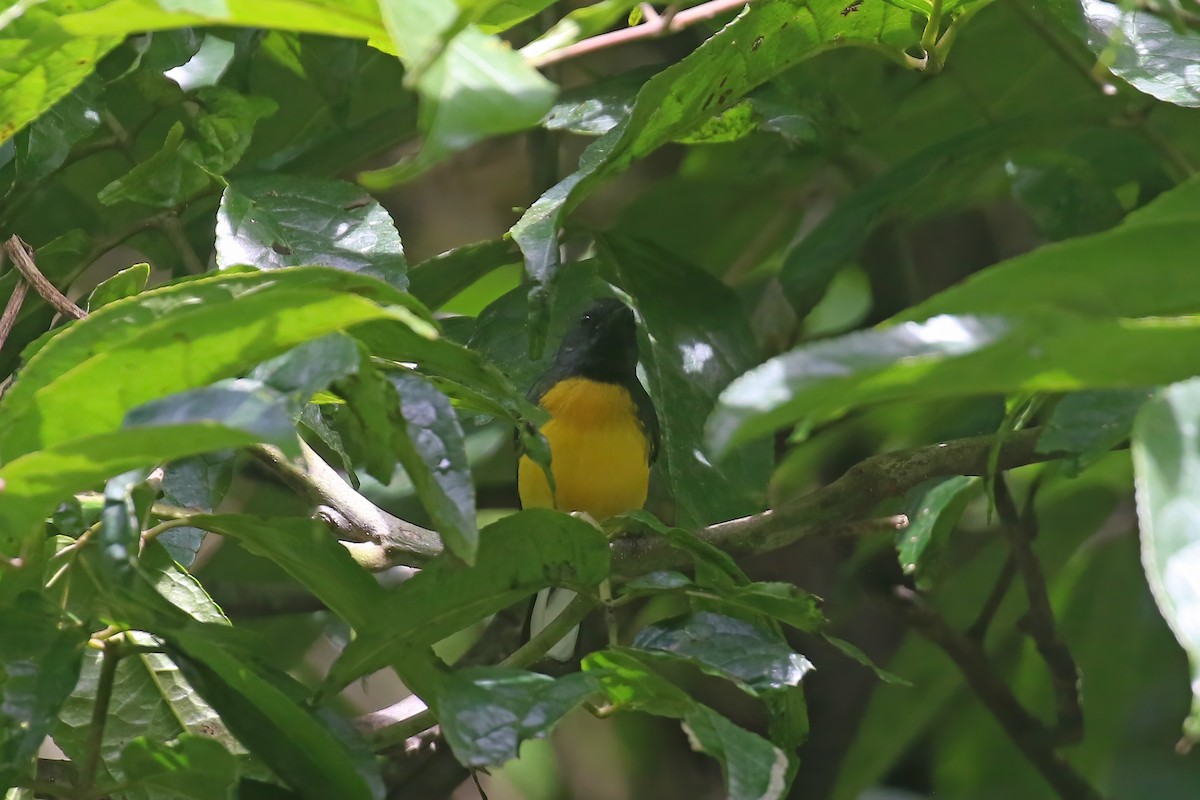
[599, 454]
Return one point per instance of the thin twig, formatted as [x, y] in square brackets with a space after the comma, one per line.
[979, 628]
[22, 257]
[1064, 675]
[12, 309]
[1028, 733]
[652, 28]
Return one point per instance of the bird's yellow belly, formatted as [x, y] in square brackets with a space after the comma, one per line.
[598, 452]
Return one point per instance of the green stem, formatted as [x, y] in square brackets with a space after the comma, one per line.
[108, 674]
[549, 636]
[929, 37]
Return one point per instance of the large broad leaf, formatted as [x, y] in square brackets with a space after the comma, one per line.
[287, 221]
[351, 18]
[39, 664]
[1043, 343]
[698, 342]
[438, 279]
[1153, 54]
[1091, 423]
[43, 146]
[472, 85]
[42, 63]
[754, 768]
[518, 555]
[1166, 460]
[171, 339]
[267, 714]
[762, 42]
[487, 712]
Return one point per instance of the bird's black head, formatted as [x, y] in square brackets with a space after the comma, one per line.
[602, 345]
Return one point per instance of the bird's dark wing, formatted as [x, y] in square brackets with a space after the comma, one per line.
[647, 416]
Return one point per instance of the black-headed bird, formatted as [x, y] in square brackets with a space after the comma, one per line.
[603, 434]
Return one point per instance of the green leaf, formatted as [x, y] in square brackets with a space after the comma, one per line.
[43, 64]
[37, 482]
[126, 283]
[198, 482]
[930, 507]
[1141, 47]
[760, 43]
[434, 456]
[191, 768]
[714, 567]
[206, 66]
[358, 19]
[487, 712]
[472, 85]
[596, 108]
[310, 367]
[43, 147]
[755, 659]
[754, 768]
[699, 341]
[39, 664]
[285, 221]
[438, 279]
[171, 339]
[1063, 193]
[518, 555]
[209, 143]
[275, 725]
[309, 553]
[150, 699]
[1089, 424]
[240, 403]
[1166, 462]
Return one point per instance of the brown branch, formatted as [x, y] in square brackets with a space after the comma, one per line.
[655, 25]
[12, 309]
[22, 257]
[1029, 734]
[1064, 675]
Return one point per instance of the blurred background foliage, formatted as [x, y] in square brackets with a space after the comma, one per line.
[847, 173]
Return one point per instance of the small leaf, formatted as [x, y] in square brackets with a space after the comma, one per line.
[43, 147]
[125, 283]
[200, 483]
[284, 221]
[930, 506]
[731, 648]
[1166, 462]
[487, 712]
[190, 768]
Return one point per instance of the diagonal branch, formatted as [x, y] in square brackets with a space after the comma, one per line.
[22, 257]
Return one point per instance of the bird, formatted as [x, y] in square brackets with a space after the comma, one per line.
[603, 434]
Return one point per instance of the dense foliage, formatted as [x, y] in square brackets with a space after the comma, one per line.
[933, 258]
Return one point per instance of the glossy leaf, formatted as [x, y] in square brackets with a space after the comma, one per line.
[783, 602]
[487, 712]
[40, 658]
[438, 279]
[284, 221]
[1145, 49]
[699, 342]
[433, 453]
[518, 555]
[731, 648]
[198, 482]
[44, 146]
[1166, 459]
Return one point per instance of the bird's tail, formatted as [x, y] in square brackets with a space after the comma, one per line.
[548, 604]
